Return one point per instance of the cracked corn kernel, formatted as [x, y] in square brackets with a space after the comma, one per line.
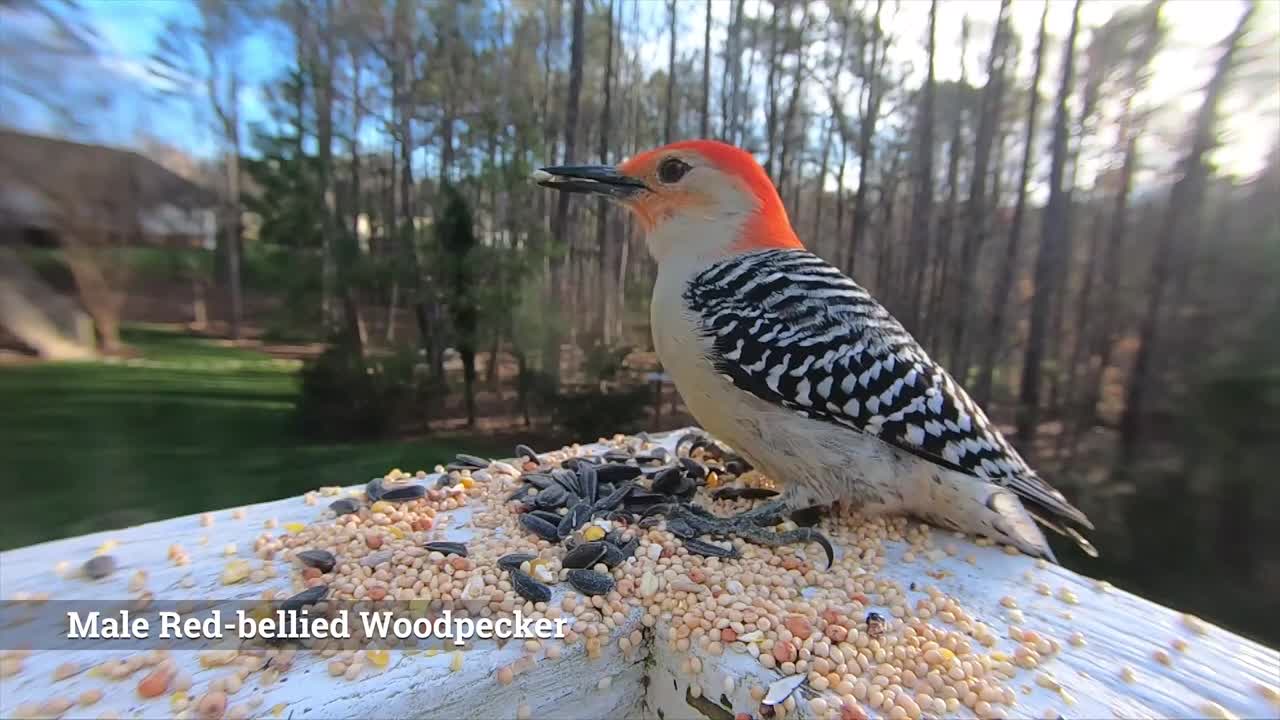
[1047, 682]
[1194, 624]
[294, 527]
[593, 533]
[455, 664]
[1214, 710]
[377, 658]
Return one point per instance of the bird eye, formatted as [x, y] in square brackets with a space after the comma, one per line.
[672, 169]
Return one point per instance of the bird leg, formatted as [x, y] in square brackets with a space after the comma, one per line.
[748, 526]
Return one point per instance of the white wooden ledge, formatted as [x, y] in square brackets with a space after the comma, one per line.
[1218, 672]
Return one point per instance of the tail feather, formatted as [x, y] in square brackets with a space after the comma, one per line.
[1066, 531]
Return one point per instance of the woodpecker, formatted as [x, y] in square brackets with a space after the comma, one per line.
[799, 369]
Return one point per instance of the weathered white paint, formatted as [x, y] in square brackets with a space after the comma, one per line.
[1120, 630]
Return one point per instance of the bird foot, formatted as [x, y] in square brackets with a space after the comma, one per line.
[693, 521]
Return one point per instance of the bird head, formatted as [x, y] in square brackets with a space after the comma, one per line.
[695, 199]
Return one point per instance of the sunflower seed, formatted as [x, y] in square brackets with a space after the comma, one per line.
[542, 481]
[588, 482]
[614, 499]
[526, 452]
[567, 479]
[680, 529]
[617, 473]
[613, 556]
[322, 560]
[706, 549]
[585, 555]
[590, 582]
[344, 506]
[403, 493]
[669, 482]
[478, 463]
[528, 588]
[513, 561]
[547, 516]
[310, 596]
[617, 456]
[99, 566]
[540, 527]
[551, 498]
[574, 519]
[694, 468]
[448, 548]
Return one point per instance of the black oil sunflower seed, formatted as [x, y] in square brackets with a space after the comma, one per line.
[706, 549]
[585, 555]
[322, 560]
[528, 588]
[540, 527]
[513, 561]
[590, 582]
[403, 493]
[448, 548]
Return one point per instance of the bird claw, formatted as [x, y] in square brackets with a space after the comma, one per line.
[749, 526]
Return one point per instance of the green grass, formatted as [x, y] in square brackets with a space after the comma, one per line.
[192, 426]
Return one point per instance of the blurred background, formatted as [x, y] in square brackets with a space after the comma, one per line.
[252, 248]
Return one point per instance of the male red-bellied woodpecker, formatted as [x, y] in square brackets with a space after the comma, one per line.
[798, 368]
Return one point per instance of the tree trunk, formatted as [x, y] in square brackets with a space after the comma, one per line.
[827, 138]
[840, 203]
[1009, 258]
[975, 229]
[402, 83]
[793, 104]
[551, 354]
[1048, 258]
[940, 310]
[922, 210]
[668, 132]
[1185, 200]
[604, 268]
[706, 75]
[866, 133]
[771, 91]
[730, 110]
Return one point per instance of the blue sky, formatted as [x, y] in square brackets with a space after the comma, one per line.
[139, 106]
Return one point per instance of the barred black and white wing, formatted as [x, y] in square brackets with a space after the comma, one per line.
[791, 329]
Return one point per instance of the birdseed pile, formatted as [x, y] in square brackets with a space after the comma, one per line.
[585, 537]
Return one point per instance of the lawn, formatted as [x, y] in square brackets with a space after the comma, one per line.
[189, 426]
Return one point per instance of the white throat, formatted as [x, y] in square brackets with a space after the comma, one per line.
[694, 239]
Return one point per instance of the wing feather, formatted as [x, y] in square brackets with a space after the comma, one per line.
[795, 331]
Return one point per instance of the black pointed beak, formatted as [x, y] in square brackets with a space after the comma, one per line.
[598, 179]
